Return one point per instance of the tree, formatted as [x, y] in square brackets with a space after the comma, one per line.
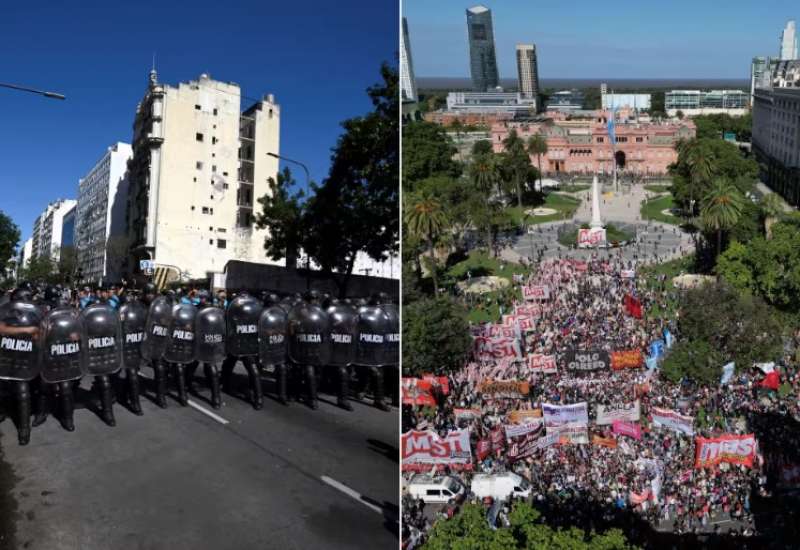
[772, 206]
[515, 162]
[537, 145]
[356, 209]
[701, 168]
[484, 172]
[9, 239]
[481, 147]
[427, 151]
[40, 268]
[283, 215]
[679, 114]
[425, 219]
[721, 209]
[435, 336]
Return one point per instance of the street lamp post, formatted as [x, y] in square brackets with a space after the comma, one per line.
[52, 95]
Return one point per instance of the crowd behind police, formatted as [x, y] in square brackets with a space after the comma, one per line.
[53, 336]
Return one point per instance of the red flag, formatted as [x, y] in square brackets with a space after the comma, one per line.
[633, 306]
[771, 381]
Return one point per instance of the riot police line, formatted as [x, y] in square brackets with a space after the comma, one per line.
[47, 347]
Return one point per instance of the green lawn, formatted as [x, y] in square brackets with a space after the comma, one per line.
[573, 188]
[565, 205]
[671, 269]
[657, 188]
[652, 210]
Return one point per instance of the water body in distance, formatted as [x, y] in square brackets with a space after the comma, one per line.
[451, 83]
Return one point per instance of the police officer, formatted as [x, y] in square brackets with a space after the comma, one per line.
[133, 319]
[272, 341]
[309, 342]
[159, 317]
[209, 346]
[241, 320]
[344, 331]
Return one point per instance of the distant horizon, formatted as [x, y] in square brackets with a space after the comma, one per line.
[453, 82]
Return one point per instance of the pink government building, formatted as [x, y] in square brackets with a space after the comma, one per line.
[579, 143]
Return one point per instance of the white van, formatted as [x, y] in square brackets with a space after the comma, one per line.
[435, 489]
[500, 486]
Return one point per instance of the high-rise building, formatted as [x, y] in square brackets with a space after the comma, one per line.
[482, 59]
[47, 229]
[199, 166]
[527, 71]
[68, 228]
[789, 41]
[408, 87]
[100, 232]
[759, 74]
[25, 253]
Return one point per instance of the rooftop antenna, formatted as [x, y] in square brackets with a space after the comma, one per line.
[153, 74]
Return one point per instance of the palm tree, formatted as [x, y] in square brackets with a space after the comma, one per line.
[537, 145]
[484, 173]
[426, 220]
[772, 206]
[721, 208]
[516, 161]
[701, 168]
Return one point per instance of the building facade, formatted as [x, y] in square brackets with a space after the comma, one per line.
[698, 102]
[788, 42]
[581, 145]
[482, 58]
[25, 253]
[528, 72]
[408, 86]
[101, 233]
[68, 228]
[489, 103]
[565, 100]
[199, 165]
[47, 229]
[759, 74]
[618, 101]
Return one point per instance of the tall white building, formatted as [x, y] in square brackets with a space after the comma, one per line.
[46, 238]
[408, 86]
[528, 72]
[100, 229]
[199, 166]
[26, 253]
[789, 41]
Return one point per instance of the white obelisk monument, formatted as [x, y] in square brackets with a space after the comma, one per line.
[596, 222]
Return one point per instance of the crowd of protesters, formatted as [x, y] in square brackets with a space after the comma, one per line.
[573, 481]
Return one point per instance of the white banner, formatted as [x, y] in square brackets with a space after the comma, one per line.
[556, 416]
[516, 430]
[428, 448]
[573, 433]
[625, 412]
[539, 362]
[536, 292]
[673, 421]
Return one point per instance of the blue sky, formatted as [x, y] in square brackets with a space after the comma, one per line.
[611, 39]
[317, 57]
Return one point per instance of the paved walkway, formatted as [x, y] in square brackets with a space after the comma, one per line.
[764, 190]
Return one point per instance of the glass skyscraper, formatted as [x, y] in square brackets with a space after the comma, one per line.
[408, 88]
[482, 60]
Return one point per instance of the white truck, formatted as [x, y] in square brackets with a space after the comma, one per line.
[500, 486]
[435, 489]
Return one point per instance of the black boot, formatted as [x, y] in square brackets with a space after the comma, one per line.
[344, 389]
[226, 376]
[377, 382]
[180, 375]
[281, 383]
[67, 400]
[106, 403]
[394, 388]
[212, 376]
[188, 374]
[40, 408]
[311, 381]
[23, 412]
[256, 394]
[160, 375]
[132, 376]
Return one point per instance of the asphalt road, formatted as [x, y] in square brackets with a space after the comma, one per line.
[283, 477]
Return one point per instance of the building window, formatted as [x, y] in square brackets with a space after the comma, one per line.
[192, 208]
[225, 174]
[197, 107]
[213, 167]
[600, 140]
[198, 165]
[222, 230]
[198, 136]
[210, 241]
[211, 229]
[213, 140]
[215, 112]
[210, 210]
[221, 243]
[205, 210]
[194, 180]
[639, 140]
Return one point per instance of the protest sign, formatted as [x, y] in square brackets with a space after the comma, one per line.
[523, 416]
[630, 429]
[466, 414]
[609, 442]
[556, 416]
[536, 292]
[673, 421]
[541, 363]
[417, 392]
[736, 449]
[626, 359]
[608, 414]
[585, 360]
[429, 448]
[500, 389]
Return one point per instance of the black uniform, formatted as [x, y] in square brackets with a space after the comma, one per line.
[241, 342]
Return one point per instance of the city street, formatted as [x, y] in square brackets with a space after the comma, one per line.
[282, 477]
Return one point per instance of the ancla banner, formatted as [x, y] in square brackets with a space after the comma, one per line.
[536, 292]
[626, 359]
[500, 389]
[673, 421]
[539, 362]
[736, 449]
[586, 360]
[556, 416]
[608, 414]
[631, 429]
[428, 448]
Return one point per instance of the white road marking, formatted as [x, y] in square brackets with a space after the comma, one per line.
[349, 492]
[207, 412]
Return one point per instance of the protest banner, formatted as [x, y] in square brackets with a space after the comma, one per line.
[523, 445]
[428, 448]
[541, 363]
[629, 429]
[516, 430]
[482, 449]
[417, 392]
[607, 414]
[571, 433]
[523, 416]
[585, 360]
[609, 442]
[532, 310]
[503, 389]
[466, 414]
[536, 292]
[627, 273]
[495, 348]
[626, 359]
[673, 421]
[638, 498]
[500, 331]
[556, 416]
[498, 437]
[591, 236]
[735, 449]
[440, 382]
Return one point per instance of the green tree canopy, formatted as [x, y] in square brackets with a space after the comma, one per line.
[9, 239]
[282, 214]
[427, 151]
[435, 336]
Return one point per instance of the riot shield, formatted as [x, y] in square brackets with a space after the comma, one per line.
[20, 325]
[392, 339]
[180, 343]
[102, 339]
[63, 357]
[309, 335]
[133, 318]
[209, 335]
[373, 325]
[157, 328]
[272, 336]
[344, 330]
[241, 322]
